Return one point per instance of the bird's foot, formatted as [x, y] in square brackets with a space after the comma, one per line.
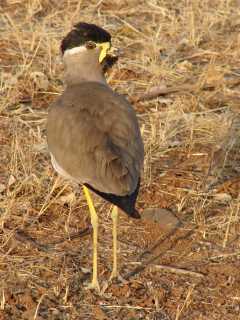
[94, 285]
[114, 278]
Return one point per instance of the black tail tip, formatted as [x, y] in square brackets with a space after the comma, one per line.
[134, 214]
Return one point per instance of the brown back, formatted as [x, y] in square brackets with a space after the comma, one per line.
[94, 136]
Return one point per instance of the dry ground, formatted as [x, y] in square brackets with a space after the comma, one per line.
[192, 164]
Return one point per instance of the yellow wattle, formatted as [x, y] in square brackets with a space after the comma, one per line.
[105, 46]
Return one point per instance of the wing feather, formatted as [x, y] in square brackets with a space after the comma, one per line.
[94, 136]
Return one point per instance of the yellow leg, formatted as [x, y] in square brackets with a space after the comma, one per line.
[114, 232]
[94, 222]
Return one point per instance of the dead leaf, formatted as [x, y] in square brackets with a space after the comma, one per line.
[223, 197]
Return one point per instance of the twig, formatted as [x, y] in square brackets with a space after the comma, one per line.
[170, 269]
[185, 304]
[158, 91]
[154, 93]
[177, 270]
[199, 54]
[38, 305]
[118, 306]
[23, 236]
[73, 235]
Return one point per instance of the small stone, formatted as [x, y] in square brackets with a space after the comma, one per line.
[164, 217]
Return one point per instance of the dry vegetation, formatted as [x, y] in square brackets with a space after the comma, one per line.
[191, 50]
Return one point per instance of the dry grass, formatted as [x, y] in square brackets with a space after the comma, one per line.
[192, 163]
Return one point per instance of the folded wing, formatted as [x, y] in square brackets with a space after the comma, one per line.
[93, 135]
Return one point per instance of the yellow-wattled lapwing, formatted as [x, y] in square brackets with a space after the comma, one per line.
[93, 133]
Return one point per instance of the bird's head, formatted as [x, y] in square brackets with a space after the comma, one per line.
[91, 40]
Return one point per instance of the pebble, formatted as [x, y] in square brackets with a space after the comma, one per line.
[165, 218]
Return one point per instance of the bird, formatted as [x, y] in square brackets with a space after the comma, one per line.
[93, 134]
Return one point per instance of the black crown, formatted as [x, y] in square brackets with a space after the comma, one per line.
[83, 32]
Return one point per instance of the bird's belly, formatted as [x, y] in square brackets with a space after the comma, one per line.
[60, 170]
[66, 175]
[102, 186]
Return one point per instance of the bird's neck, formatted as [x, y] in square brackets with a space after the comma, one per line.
[83, 67]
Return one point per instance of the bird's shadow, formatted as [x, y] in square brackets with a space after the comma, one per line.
[143, 257]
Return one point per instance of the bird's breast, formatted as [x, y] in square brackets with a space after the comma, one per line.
[60, 170]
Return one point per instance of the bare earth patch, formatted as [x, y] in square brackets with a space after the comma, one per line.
[188, 52]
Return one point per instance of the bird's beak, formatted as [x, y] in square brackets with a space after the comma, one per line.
[104, 47]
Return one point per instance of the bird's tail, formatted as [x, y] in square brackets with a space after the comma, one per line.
[125, 203]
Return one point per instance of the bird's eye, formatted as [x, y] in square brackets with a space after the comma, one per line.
[90, 45]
